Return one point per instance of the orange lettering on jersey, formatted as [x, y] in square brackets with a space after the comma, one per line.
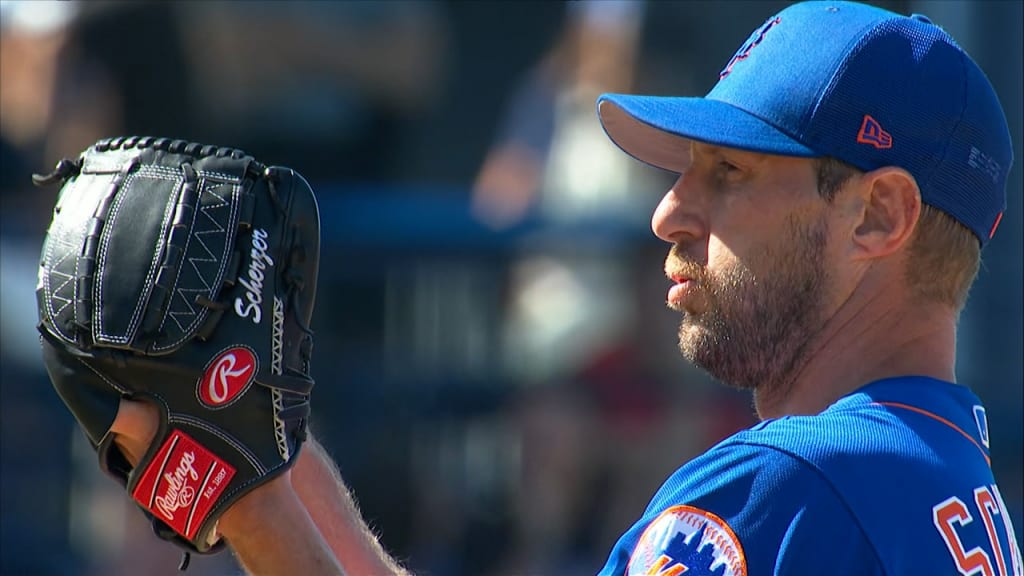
[968, 562]
[1016, 563]
[987, 505]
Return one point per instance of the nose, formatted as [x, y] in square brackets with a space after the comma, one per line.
[677, 218]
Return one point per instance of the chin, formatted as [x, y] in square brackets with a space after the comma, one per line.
[714, 356]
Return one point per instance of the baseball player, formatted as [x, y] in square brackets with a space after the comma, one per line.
[835, 190]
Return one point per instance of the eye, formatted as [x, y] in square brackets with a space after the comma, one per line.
[727, 167]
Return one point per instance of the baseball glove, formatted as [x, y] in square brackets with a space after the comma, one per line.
[185, 275]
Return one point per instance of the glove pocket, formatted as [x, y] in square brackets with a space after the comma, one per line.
[139, 234]
[164, 255]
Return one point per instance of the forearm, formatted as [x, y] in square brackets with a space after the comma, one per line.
[271, 533]
[317, 483]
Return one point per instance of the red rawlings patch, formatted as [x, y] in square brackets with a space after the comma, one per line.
[227, 376]
[182, 483]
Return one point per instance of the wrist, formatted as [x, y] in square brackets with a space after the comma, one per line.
[268, 525]
[257, 505]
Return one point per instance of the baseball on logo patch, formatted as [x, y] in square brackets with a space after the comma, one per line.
[687, 540]
[227, 377]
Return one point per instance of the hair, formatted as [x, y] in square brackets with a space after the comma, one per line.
[944, 255]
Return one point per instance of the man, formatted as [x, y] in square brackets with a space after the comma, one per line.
[835, 189]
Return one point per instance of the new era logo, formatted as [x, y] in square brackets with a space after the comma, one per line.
[871, 132]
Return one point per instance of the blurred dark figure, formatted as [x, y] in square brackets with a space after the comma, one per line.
[325, 87]
[490, 47]
[124, 71]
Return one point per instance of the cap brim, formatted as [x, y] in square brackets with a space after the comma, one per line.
[656, 130]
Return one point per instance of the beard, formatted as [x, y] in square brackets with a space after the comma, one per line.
[754, 328]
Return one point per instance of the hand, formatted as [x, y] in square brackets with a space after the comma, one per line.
[134, 428]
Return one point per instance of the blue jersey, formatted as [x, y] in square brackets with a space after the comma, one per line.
[892, 479]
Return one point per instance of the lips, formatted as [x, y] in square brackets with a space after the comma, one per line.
[685, 275]
[678, 293]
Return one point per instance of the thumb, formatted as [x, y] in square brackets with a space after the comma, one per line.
[134, 428]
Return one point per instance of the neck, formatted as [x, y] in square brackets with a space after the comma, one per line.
[876, 338]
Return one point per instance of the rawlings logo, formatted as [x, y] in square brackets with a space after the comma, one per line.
[182, 483]
[228, 375]
[179, 493]
[253, 282]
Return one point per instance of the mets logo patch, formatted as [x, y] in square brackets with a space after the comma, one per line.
[684, 540]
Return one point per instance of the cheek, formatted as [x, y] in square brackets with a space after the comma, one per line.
[727, 272]
[720, 255]
[735, 259]
[741, 232]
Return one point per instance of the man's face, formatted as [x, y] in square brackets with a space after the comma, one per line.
[749, 262]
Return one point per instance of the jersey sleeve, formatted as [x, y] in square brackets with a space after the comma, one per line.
[744, 509]
[823, 538]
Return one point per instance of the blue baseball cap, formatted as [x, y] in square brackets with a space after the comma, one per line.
[861, 84]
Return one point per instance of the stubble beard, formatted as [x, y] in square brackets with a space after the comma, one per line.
[755, 330]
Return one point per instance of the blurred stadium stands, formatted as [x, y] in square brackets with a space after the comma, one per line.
[496, 374]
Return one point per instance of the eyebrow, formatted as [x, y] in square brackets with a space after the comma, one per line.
[748, 156]
[705, 147]
[715, 150]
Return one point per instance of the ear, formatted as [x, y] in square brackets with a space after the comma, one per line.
[891, 205]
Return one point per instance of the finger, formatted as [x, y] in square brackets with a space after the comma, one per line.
[134, 427]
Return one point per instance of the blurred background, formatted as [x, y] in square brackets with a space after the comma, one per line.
[496, 372]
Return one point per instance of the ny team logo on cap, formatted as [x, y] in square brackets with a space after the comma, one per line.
[749, 45]
[687, 540]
